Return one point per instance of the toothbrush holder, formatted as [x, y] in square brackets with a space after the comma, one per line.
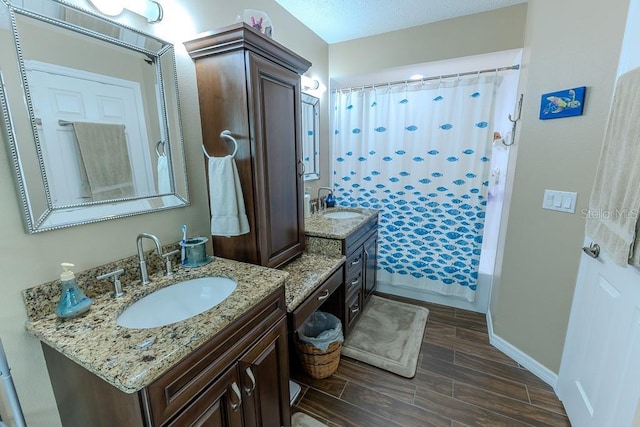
[195, 251]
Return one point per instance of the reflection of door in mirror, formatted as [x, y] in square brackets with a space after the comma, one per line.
[62, 96]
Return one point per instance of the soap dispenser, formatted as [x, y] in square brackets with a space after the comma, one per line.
[330, 201]
[307, 203]
[73, 301]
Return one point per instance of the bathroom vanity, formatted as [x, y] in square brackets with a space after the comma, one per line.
[355, 237]
[228, 366]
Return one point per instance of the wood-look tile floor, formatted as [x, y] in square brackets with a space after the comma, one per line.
[461, 380]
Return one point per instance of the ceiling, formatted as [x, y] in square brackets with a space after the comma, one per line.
[340, 20]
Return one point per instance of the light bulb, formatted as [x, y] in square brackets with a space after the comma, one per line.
[109, 7]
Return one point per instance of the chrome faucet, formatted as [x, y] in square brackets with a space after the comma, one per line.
[144, 276]
[322, 205]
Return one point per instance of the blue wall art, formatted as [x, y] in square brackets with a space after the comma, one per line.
[564, 103]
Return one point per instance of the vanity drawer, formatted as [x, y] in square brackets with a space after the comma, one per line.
[353, 309]
[353, 264]
[316, 299]
[353, 281]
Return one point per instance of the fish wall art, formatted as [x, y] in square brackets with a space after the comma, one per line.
[564, 103]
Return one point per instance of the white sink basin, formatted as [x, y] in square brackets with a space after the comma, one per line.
[176, 302]
[342, 215]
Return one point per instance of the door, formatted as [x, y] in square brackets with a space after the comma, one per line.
[220, 405]
[278, 176]
[599, 377]
[264, 372]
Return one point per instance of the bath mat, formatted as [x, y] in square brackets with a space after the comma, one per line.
[388, 336]
[300, 419]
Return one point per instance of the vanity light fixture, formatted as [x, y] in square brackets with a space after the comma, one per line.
[150, 9]
[309, 84]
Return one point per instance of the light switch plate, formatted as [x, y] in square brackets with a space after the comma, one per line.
[561, 201]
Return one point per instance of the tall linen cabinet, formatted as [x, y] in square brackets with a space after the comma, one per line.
[250, 85]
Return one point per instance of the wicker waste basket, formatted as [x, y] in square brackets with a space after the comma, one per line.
[318, 344]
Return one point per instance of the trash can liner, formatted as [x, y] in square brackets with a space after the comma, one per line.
[320, 330]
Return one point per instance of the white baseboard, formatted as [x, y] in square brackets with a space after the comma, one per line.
[537, 369]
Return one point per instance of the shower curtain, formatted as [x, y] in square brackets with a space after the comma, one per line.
[420, 154]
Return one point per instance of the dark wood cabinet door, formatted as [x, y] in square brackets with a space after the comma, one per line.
[276, 106]
[220, 405]
[370, 253]
[264, 373]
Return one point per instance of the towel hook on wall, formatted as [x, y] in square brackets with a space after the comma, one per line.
[515, 122]
[225, 134]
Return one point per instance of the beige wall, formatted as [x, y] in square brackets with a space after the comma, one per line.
[28, 260]
[493, 31]
[567, 44]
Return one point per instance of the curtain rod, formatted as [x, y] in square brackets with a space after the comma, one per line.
[424, 79]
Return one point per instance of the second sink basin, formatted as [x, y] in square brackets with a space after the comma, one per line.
[176, 302]
[342, 215]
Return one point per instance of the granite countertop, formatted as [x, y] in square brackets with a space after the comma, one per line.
[131, 359]
[307, 273]
[318, 225]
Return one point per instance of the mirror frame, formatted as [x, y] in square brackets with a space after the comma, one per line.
[39, 212]
[309, 101]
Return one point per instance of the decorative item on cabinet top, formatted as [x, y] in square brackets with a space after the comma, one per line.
[257, 19]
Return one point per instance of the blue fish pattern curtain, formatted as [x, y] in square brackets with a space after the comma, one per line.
[420, 154]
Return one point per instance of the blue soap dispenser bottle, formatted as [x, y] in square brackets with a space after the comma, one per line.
[73, 302]
[330, 201]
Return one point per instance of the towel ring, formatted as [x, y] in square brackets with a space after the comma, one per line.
[158, 145]
[225, 134]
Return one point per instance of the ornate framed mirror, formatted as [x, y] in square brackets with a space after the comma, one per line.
[92, 116]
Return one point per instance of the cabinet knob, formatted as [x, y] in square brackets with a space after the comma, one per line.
[324, 296]
[355, 281]
[249, 373]
[301, 169]
[236, 391]
[356, 262]
[355, 309]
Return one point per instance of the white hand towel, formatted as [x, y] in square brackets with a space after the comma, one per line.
[228, 215]
[105, 155]
[164, 181]
[612, 220]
